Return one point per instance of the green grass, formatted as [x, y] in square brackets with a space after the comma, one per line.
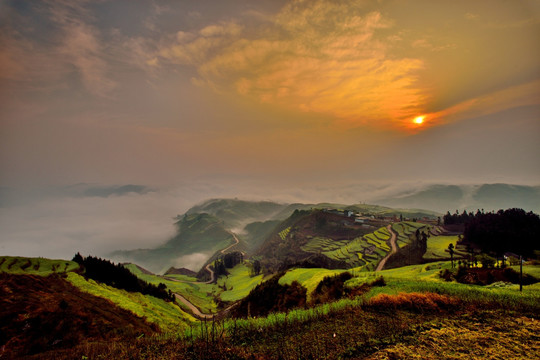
[199, 294]
[35, 266]
[425, 278]
[238, 283]
[353, 252]
[437, 246]
[179, 277]
[168, 316]
[414, 278]
[374, 240]
[308, 278]
[320, 244]
[533, 270]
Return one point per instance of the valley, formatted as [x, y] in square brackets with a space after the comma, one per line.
[328, 281]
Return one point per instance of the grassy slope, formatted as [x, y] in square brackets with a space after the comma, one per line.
[238, 283]
[419, 278]
[199, 294]
[416, 278]
[35, 266]
[167, 316]
[437, 247]
[308, 278]
[182, 277]
[42, 313]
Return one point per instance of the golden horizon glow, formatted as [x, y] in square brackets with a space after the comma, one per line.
[419, 119]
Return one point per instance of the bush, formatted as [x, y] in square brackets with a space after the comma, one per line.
[331, 288]
[417, 302]
[270, 296]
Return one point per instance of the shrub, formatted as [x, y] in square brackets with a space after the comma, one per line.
[417, 302]
[331, 288]
[270, 296]
[378, 282]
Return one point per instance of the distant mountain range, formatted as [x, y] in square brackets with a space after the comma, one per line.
[444, 198]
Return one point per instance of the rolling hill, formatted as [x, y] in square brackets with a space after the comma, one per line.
[207, 228]
[324, 239]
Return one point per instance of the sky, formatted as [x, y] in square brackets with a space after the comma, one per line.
[266, 98]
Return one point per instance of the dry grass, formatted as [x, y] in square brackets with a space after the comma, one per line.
[417, 302]
[509, 338]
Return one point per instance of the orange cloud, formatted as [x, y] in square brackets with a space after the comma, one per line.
[313, 56]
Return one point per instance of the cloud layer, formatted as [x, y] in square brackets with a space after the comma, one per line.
[313, 56]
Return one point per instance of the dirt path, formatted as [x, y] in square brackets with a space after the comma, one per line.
[237, 241]
[223, 251]
[393, 239]
[192, 307]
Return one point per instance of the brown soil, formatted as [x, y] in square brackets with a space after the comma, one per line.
[39, 314]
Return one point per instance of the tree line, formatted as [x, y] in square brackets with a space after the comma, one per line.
[116, 275]
[460, 219]
[227, 261]
[506, 231]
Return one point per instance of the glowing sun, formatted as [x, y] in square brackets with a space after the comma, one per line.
[419, 120]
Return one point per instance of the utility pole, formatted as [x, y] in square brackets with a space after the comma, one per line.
[520, 273]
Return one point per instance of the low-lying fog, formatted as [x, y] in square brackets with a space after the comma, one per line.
[97, 219]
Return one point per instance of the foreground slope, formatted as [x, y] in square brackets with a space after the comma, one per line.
[39, 314]
[167, 316]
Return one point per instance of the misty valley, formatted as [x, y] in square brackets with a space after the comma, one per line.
[273, 280]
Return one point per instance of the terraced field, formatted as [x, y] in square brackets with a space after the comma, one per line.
[283, 233]
[406, 229]
[365, 251]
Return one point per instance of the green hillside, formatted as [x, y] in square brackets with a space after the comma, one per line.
[35, 266]
[237, 213]
[199, 294]
[168, 316]
[206, 229]
[331, 240]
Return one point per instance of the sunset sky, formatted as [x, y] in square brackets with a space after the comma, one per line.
[279, 92]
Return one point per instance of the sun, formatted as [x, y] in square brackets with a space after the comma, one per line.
[419, 119]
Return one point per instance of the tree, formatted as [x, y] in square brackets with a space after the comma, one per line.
[78, 258]
[511, 230]
[451, 251]
[256, 267]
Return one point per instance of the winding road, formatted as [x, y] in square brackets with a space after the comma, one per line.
[394, 248]
[223, 251]
[193, 308]
[190, 305]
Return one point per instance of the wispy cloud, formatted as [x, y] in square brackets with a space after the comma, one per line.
[73, 43]
[313, 56]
